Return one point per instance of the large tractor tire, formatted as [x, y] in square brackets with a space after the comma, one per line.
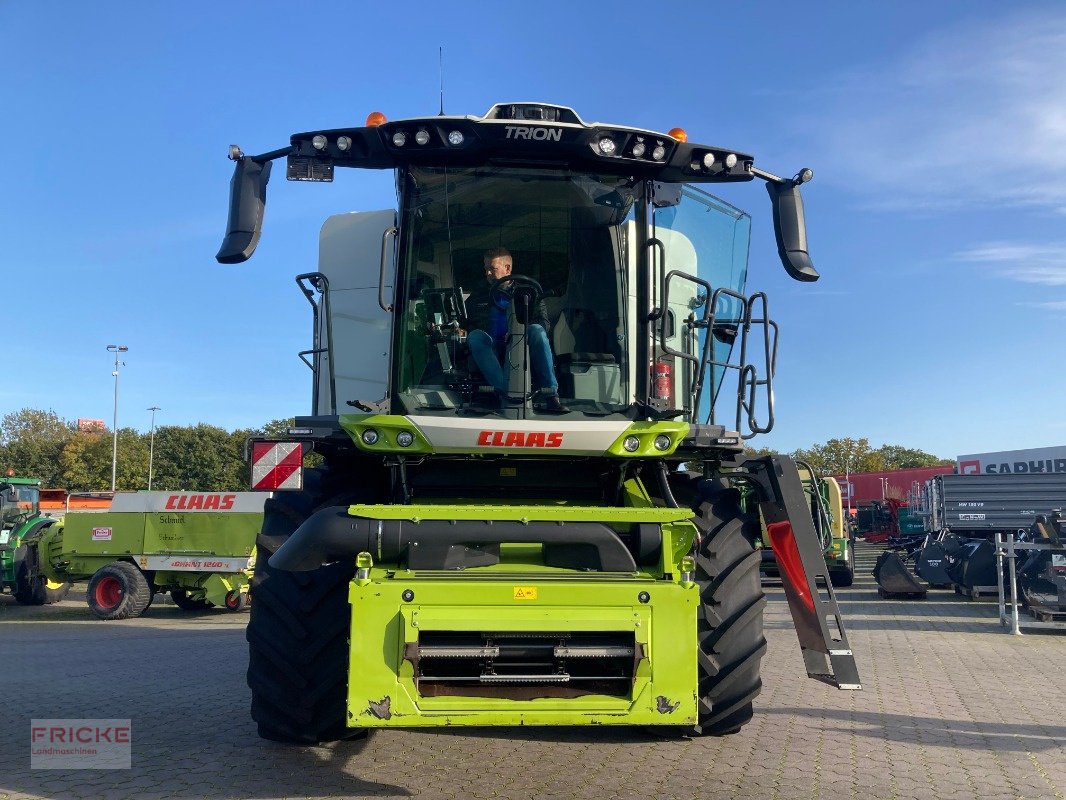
[729, 625]
[118, 591]
[298, 629]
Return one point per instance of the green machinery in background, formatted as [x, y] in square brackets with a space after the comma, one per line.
[195, 545]
[827, 510]
[21, 522]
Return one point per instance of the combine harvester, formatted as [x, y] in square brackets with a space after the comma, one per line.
[474, 551]
[195, 545]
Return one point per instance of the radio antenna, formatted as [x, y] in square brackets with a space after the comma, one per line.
[440, 66]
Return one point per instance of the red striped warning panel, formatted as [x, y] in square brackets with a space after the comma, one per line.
[277, 465]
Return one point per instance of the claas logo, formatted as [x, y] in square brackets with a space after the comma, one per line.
[519, 439]
[204, 502]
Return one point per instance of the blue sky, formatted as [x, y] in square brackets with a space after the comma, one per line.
[937, 216]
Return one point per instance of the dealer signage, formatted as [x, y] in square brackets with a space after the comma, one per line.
[1015, 462]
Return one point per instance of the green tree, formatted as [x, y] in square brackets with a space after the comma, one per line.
[196, 458]
[838, 456]
[277, 428]
[898, 457]
[86, 461]
[31, 442]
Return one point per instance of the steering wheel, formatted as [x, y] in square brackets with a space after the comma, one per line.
[517, 282]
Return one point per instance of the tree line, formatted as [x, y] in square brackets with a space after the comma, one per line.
[847, 455]
[41, 444]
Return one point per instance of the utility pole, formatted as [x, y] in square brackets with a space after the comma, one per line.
[116, 349]
[151, 446]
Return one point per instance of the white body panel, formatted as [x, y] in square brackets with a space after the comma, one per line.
[474, 435]
[349, 255]
[188, 502]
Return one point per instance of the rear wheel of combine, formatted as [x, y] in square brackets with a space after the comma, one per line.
[118, 591]
[841, 576]
[729, 626]
[183, 601]
[298, 630]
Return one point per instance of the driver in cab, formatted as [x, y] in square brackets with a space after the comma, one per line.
[487, 325]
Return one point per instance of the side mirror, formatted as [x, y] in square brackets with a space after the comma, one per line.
[246, 205]
[791, 230]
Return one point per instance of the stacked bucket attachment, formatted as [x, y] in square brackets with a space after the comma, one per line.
[895, 580]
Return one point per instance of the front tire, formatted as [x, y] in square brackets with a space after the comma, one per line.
[729, 626]
[298, 631]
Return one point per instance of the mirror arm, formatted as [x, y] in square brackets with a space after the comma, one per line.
[789, 225]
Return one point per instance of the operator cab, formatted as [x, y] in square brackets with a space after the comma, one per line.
[575, 234]
[636, 275]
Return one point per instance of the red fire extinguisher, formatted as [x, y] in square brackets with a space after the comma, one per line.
[662, 376]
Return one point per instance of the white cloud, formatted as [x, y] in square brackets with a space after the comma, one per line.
[1043, 264]
[972, 114]
[1050, 305]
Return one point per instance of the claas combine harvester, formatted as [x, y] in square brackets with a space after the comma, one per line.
[471, 553]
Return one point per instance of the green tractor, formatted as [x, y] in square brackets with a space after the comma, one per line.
[824, 499]
[21, 524]
[510, 372]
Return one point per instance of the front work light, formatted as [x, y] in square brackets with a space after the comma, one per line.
[319, 142]
[405, 438]
[344, 143]
[422, 136]
[607, 146]
[455, 138]
[631, 444]
[399, 138]
[370, 436]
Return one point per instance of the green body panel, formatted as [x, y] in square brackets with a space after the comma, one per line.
[381, 687]
[521, 594]
[205, 545]
[522, 513]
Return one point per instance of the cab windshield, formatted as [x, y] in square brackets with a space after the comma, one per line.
[18, 504]
[515, 288]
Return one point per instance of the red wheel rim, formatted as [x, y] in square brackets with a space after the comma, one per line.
[108, 592]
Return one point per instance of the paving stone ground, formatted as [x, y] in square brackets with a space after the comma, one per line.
[952, 707]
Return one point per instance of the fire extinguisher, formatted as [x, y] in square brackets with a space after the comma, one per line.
[662, 377]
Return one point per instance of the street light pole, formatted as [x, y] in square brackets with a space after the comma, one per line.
[151, 446]
[116, 349]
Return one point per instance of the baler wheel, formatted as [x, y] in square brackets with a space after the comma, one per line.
[118, 591]
[183, 601]
[236, 600]
[298, 629]
[729, 625]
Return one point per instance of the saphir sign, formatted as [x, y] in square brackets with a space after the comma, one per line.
[1015, 462]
